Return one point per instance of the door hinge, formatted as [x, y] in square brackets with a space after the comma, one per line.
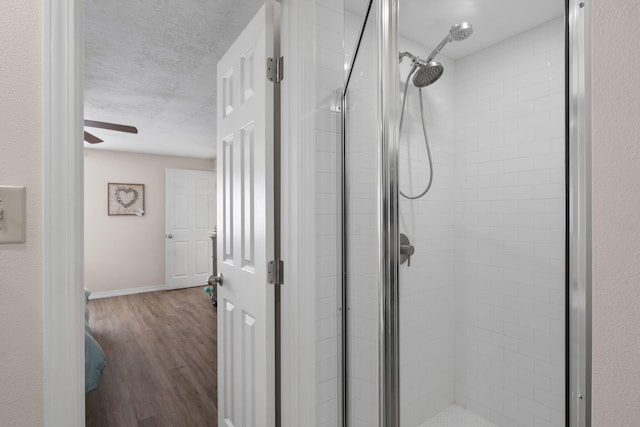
[275, 69]
[275, 272]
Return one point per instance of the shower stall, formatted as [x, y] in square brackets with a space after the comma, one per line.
[465, 228]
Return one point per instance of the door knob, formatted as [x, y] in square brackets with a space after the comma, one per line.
[219, 279]
[170, 236]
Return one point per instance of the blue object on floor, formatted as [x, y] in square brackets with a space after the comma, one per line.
[94, 358]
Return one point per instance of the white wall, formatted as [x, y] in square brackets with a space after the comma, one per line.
[124, 252]
[509, 246]
[496, 118]
[362, 155]
[21, 359]
[427, 286]
[329, 70]
[616, 219]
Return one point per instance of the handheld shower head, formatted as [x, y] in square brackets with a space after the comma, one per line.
[457, 33]
[461, 31]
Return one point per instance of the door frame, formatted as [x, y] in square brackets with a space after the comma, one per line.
[298, 205]
[63, 193]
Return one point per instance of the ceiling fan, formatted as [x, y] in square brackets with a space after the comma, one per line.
[92, 139]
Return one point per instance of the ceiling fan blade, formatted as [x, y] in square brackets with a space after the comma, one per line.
[91, 139]
[110, 126]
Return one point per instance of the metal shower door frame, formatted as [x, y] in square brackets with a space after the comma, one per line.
[386, 16]
[387, 23]
[578, 211]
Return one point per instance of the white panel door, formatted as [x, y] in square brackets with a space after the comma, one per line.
[190, 217]
[246, 327]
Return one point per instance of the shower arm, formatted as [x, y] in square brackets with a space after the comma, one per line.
[414, 62]
[407, 54]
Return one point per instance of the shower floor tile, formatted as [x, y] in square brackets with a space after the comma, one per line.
[457, 416]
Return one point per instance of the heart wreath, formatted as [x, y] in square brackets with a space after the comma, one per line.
[130, 199]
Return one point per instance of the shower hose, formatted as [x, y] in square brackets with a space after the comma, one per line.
[424, 132]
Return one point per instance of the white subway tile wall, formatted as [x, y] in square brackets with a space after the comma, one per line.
[510, 231]
[427, 286]
[362, 222]
[330, 77]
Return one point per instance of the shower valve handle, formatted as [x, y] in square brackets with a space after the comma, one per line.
[406, 249]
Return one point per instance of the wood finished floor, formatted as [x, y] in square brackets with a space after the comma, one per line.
[161, 370]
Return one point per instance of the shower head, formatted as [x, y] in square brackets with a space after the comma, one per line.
[460, 32]
[457, 33]
[427, 73]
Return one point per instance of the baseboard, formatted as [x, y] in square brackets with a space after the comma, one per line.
[129, 291]
[197, 285]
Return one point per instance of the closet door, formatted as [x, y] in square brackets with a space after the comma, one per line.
[190, 204]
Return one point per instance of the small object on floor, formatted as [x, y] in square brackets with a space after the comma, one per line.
[211, 292]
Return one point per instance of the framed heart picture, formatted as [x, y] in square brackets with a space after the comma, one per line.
[125, 199]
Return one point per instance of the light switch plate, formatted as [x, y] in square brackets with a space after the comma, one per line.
[13, 209]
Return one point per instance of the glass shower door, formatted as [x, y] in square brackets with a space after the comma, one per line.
[361, 268]
[457, 303]
[370, 243]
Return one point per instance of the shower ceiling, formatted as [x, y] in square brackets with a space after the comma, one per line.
[153, 65]
[424, 21]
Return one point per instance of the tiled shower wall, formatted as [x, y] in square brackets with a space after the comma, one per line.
[482, 304]
[330, 77]
[362, 238]
[509, 229]
[427, 285]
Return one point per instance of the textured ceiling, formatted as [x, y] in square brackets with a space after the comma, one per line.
[427, 22]
[152, 64]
